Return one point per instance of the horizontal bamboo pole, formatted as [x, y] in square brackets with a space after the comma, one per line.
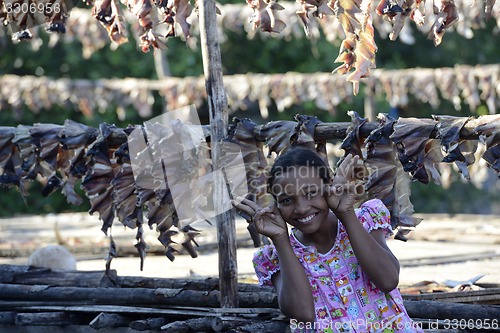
[338, 130]
[332, 130]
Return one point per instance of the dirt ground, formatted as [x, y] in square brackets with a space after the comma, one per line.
[441, 248]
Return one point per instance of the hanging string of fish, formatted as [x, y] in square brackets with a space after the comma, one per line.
[156, 21]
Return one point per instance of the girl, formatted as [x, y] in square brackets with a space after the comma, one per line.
[334, 272]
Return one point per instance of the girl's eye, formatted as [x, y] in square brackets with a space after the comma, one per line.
[311, 195]
[285, 201]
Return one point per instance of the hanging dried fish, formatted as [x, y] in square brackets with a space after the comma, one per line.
[47, 143]
[432, 157]
[6, 146]
[307, 125]
[124, 196]
[176, 12]
[387, 180]
[447, 15]
[241, 140]
[381, 162]
[108, 13]
[189, 239]
[141, 244]
[279, 135]
[459, 151]
[11, 161]
[75, 135]
[353, 142]
[72, 165]
[358, 49]
[410, 137]
[489, 134]
[488, 8]
[241, 143]
[97, 181]
[315, 8]
[264, 15]
[27, 152]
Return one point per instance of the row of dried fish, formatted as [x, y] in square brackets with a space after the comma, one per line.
[38, 93]
[234, 17]
[471, 85]
[353, 17]
[129, 175]
[81, 26]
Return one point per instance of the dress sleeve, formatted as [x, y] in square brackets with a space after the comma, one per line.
[265, 262]
[375, 215]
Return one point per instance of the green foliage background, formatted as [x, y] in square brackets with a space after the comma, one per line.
[241, 55]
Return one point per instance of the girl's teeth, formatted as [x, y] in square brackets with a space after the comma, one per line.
[307, 219]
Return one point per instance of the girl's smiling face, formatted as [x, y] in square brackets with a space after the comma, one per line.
[300, 200]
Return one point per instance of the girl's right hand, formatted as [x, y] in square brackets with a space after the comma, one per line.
[268, 220]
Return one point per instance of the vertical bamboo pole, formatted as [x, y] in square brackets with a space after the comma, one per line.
[369, 103]
[217, 103]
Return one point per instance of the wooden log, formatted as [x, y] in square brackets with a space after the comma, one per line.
[90, 279]
[226, 323]
[202, 324]
[271, 326]
[139, 296]
[7, 317]
[482, 296]
[46, 319]
[450, 311]
[172, 311]
[448, 259]
[215, 324]
[109, 320]
[217, 106]
[18, 274]
[192, 284]
[154, 323]
[8, 272]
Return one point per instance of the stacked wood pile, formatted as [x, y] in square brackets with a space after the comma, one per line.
[41, 298]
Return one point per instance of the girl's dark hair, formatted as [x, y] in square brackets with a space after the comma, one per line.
[297, 157]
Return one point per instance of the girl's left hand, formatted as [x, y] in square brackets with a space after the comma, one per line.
[341, 192]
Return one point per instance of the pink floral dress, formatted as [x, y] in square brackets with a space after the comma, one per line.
[345, 299]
